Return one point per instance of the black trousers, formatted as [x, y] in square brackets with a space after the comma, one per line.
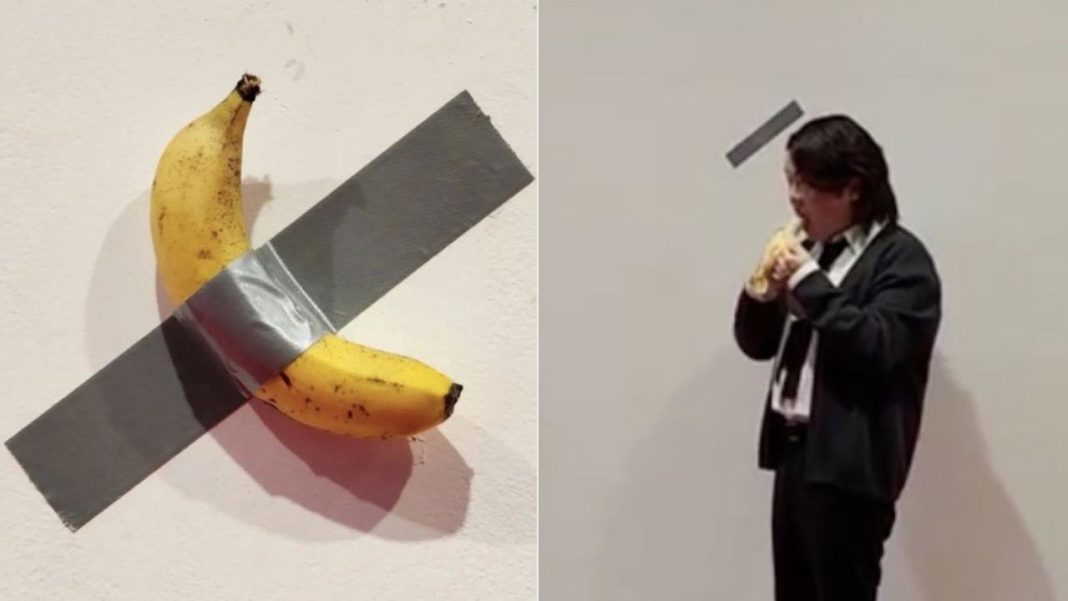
[827, 545]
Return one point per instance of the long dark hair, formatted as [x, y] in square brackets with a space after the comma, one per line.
[829, 152]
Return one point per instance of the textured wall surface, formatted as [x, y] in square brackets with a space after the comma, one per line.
[262, 508]
[658, 495]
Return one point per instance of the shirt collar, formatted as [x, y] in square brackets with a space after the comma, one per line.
[858, 238]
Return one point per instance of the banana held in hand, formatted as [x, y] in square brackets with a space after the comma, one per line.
[780, 241]
[198, 228]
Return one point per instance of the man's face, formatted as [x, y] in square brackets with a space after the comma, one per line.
[823, 214]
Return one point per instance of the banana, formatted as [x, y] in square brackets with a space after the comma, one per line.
[198, 228]
[759, 281]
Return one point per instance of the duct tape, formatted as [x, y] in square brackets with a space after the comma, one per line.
[764, 134]
[343, 254]
[255, 317]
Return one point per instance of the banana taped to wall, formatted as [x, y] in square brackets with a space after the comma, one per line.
[198, 232]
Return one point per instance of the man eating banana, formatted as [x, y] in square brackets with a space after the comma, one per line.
[846, 303]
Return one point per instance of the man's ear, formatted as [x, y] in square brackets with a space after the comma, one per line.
[853, 189]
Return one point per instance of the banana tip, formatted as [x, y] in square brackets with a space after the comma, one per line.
[451, 398]
[248, 87]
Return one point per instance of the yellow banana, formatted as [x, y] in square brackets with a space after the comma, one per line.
[198, 228]
[760, 281]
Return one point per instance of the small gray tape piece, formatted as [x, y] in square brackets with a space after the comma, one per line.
[168, 389]
[255, 316]
[765, 133]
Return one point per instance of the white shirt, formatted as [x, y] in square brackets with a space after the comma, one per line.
[799, 409]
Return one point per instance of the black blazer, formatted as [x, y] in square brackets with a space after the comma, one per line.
[876, 335]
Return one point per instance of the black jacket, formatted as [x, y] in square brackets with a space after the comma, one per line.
[876, 335]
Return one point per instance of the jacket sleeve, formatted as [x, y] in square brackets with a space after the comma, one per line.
[758, 326]
[897, 322]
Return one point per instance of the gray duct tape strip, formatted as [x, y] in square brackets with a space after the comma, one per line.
[169, 388]
[255, 316]
[765, 133]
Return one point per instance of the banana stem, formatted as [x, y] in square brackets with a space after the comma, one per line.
[248, 87]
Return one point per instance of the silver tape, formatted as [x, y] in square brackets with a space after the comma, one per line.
[255, 316]
[765, 133]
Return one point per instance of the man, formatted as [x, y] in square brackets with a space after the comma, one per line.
[850, 320]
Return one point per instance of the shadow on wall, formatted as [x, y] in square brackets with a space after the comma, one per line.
[691, 519]
[422, 485]
[352, 482]
[959, 531]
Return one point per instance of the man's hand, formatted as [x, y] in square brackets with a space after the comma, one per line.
[763, 284]
[788, 260]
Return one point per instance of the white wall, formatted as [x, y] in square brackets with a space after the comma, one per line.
[648, 233]
[261, 508]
